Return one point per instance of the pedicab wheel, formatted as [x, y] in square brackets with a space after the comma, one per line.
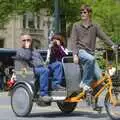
[21, 101]
[66, 107]
[113, 111]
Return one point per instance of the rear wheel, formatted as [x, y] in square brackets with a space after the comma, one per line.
[113, 110]
[66, 107]
[21, 100]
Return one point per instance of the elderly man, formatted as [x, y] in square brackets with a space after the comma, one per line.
[35, 60]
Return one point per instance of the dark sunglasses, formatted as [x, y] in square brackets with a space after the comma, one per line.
[83, 12]
[28, 40]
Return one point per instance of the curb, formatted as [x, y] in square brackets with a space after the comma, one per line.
[3, 94]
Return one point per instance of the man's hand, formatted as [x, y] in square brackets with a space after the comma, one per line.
[115, 47]
[75, 59]
[27, 44]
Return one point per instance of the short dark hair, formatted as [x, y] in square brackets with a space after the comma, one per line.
[86, 7]
[59, 37]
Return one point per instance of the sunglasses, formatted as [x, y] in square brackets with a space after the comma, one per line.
[26, 40]
[83, 12]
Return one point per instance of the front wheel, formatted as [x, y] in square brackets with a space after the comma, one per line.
[21, 100]
[113, 111]
[66, 107]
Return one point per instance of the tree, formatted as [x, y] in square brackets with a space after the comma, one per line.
[10, 7]
[105, 12]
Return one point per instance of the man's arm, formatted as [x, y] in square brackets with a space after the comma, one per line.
[74, 47]
[23, 55]
[74, 39]
[103, 36]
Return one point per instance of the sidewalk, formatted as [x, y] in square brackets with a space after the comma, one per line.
[3, 93]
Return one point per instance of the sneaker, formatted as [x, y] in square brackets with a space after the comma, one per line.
[45, 98]
[85, 87]
[59, 88]
[81, 84]
[97, 108]
[95, 105]
[88, 89]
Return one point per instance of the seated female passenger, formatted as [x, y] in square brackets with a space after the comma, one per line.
[55, 54]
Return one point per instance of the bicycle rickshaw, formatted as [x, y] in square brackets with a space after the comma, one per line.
[26, 91]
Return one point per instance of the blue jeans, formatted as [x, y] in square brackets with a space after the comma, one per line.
[56, 68]
[42, 75]
[91, 70]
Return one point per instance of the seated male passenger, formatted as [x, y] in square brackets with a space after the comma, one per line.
[35, 60]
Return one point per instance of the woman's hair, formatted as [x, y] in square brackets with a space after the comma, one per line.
[59, 37]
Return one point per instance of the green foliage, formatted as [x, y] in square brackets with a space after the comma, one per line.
[6, 8]
[9, 7]
[105, 12]
[101, 62]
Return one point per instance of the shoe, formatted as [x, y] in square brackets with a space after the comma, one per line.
[81, 84]
[59, 88]
[45, 98]
[97, 108]
[95, 105]
[85, 87]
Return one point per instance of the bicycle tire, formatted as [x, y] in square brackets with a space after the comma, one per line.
[112, 110]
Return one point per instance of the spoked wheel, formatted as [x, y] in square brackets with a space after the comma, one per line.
[66, 107]
[21, 101]
[113, 110]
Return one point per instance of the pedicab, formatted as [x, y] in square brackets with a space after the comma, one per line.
[25, 91]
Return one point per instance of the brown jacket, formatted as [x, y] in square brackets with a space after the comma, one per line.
[85, 38]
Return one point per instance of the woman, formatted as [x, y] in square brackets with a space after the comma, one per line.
[55, 54]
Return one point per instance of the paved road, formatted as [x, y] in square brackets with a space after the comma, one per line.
[82, 112]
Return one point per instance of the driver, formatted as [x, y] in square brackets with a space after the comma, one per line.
[83, 37]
